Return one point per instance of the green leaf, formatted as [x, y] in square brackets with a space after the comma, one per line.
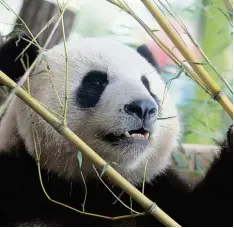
[154, 30]
[180, 160]
[79, 157]
[13, 34]
[104, 169]
[192, 155]
[198, 164]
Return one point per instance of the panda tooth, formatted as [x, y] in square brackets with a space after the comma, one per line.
[126, 133]
[146, 135]
[137, 135]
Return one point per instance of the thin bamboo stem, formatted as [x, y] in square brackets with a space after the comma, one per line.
[65, 205]
[27, 73]
[229, 5]
[67, 68]
[120, 181]
[190, 58]
[196, 44]
[161, 44]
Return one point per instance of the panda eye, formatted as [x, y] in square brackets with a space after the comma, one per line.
[95, 79]
[95, 83]
[91, 88]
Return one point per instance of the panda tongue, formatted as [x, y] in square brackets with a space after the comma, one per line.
[140, 140]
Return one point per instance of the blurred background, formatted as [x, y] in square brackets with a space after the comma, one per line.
[204, 121]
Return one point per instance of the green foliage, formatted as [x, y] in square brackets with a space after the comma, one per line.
[104, 169]
[191, 164]
[205, 116]
[198, 164]
[79, 157]
[181, 162]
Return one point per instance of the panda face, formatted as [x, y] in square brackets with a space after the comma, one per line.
[124, 124]
[115, 102]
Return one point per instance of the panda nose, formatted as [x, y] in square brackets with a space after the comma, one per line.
[143, 109]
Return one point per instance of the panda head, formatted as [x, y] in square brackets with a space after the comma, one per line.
[117, 104]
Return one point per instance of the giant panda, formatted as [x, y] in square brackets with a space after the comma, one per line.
[116, 104]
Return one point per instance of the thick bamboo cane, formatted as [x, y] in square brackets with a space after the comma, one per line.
[189, 57]
[120, 181]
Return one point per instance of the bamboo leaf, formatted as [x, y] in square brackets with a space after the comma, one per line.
[79, 157]
[13, 34]
[180, 160]
[198, 164]
[192, 155]
[104, 169]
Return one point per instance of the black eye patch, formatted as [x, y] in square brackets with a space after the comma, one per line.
[91, 89]
[146, 84]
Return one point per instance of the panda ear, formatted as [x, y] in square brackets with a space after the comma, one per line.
[145, 52]
[10, 62]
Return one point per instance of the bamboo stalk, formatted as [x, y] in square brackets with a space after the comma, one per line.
[190, 58]
[190, 72]
[120, 181]
[196, 44]
[27, 73]
[229, 5]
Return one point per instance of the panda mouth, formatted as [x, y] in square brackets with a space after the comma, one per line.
[142, 133]
[140, 136]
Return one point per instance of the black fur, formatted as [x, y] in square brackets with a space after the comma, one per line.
[9, 52]
[144, 51]
[23, 201]
[22, 198]
[209, 204]
[146, 84]
[91, 89]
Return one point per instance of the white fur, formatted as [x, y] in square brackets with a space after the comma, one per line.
[124, 67]
[8, 129]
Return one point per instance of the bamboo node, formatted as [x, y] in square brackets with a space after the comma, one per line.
[152, 208]
[60, 128]
[218, 95]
